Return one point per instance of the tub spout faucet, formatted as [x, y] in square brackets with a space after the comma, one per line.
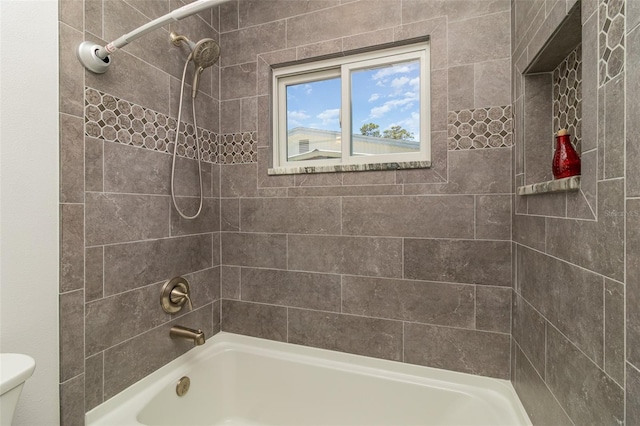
[180, 332]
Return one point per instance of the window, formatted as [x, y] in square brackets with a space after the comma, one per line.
[371, 108]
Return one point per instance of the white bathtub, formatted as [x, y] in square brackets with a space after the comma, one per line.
[239, 380]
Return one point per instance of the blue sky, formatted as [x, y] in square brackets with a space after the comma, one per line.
[386, 96]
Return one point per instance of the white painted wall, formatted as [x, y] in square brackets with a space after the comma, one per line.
[29, 199]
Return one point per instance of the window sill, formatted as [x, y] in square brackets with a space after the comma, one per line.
[560, 185]
[349, 168]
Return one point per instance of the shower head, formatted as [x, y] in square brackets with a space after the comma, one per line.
[204, 54]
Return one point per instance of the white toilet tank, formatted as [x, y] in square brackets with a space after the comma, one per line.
[15, 369]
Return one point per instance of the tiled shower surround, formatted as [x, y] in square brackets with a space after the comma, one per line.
[576, 254]
[121, 237]
[416, 266]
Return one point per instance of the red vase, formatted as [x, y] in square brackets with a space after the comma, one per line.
[565, 159]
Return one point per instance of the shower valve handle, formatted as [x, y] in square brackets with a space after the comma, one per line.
[178, 296]
[175, 294]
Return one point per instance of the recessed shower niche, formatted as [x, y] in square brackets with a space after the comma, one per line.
[552, 99]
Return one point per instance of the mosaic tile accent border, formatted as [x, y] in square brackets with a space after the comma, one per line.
[480, 128]
[118, 120]
[238, 148]
[611, 39]
[567, 96]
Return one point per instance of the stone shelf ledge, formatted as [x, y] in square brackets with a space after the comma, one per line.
[559, 185]
[349, 168]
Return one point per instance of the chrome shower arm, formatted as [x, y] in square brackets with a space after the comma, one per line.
[96, 58]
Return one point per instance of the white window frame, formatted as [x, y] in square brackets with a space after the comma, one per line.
[343, 67]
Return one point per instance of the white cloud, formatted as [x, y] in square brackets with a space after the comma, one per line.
[403, 83]
[306, 88]
[396, 69]
[298, 115]
[329, 116]
[412, 124]
[374, 97]
[407, 107]
[397, 83]
[296, 118]
[380, 111]
[404, 103]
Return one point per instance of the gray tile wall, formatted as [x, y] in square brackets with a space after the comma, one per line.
[410, 265]
[120, 236]
[415, 266]
[632, 217]
[569, 312]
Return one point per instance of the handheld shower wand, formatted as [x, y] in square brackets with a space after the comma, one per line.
[204, 54]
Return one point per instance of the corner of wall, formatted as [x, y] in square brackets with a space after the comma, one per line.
[29, 209]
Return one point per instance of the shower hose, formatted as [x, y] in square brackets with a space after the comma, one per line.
[175, 145]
